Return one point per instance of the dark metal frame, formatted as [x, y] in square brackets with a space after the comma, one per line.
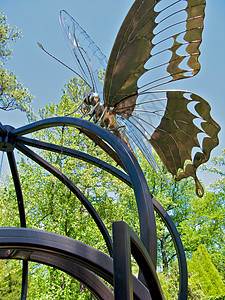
[125, 243]
[13, 138]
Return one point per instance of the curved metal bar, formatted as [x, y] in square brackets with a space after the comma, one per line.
[3, 131]
[161, 211]
[98, 141]
[74, 153]
[38, 245]
[47, 166]
[91, 281]
[183, 280]
[142, 194]
[96, 286]
[24, 280]
[19, 195]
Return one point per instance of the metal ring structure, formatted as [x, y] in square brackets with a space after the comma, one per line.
[142, 194]
[13, 138]
[66, 254]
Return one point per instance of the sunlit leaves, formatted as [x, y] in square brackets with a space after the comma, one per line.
[12, 94]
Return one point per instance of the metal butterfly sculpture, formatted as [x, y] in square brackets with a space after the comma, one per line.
[157, 43]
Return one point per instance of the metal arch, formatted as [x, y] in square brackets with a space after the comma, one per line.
[83, 275]
[19, 195]
[165, 217]
[122, 176]
[7, 145]
[183, 273]
[96, 286]
[51, 248]
[142, 194]
[158, 207]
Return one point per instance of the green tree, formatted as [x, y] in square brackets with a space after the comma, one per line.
[204, 223]
[51, 206]
[218, 186]
[12, 94]
[218, 191]
[204, 280]
[199, 221]
[10, 279]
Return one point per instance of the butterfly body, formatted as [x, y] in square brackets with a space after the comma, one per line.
[104, 116]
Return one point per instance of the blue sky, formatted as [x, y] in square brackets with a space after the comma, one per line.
[44, 77]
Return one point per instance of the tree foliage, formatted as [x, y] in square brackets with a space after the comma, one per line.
[10, 278]
[12, 93]
[7, 35]
[52, 207]
[204, 276]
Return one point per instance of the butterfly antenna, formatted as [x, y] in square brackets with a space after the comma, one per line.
[62, 63]
[79, 107]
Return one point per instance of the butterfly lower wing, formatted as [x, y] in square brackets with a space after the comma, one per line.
[179, 127]
[162, 41]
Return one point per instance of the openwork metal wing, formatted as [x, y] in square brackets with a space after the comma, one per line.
[91, 62]
[177, 135]
[161, 38]
[179, 127]
[157, 44]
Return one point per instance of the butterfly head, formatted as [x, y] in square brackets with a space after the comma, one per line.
[92, 99]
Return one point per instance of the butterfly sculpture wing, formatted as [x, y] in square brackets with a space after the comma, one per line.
[91, 62]
[158, 43]
[179, 127]
[177, 134]
[163, 43]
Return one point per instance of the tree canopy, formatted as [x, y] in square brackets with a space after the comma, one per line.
[12, 93]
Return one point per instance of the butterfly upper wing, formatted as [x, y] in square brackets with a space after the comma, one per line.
[160, 40]
[90, 60]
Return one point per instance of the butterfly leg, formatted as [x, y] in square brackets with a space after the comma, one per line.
[100, 121]
[90, 113]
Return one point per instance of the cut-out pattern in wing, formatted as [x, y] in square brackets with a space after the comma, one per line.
[175, 123]
[160, 38]
[177, 135]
